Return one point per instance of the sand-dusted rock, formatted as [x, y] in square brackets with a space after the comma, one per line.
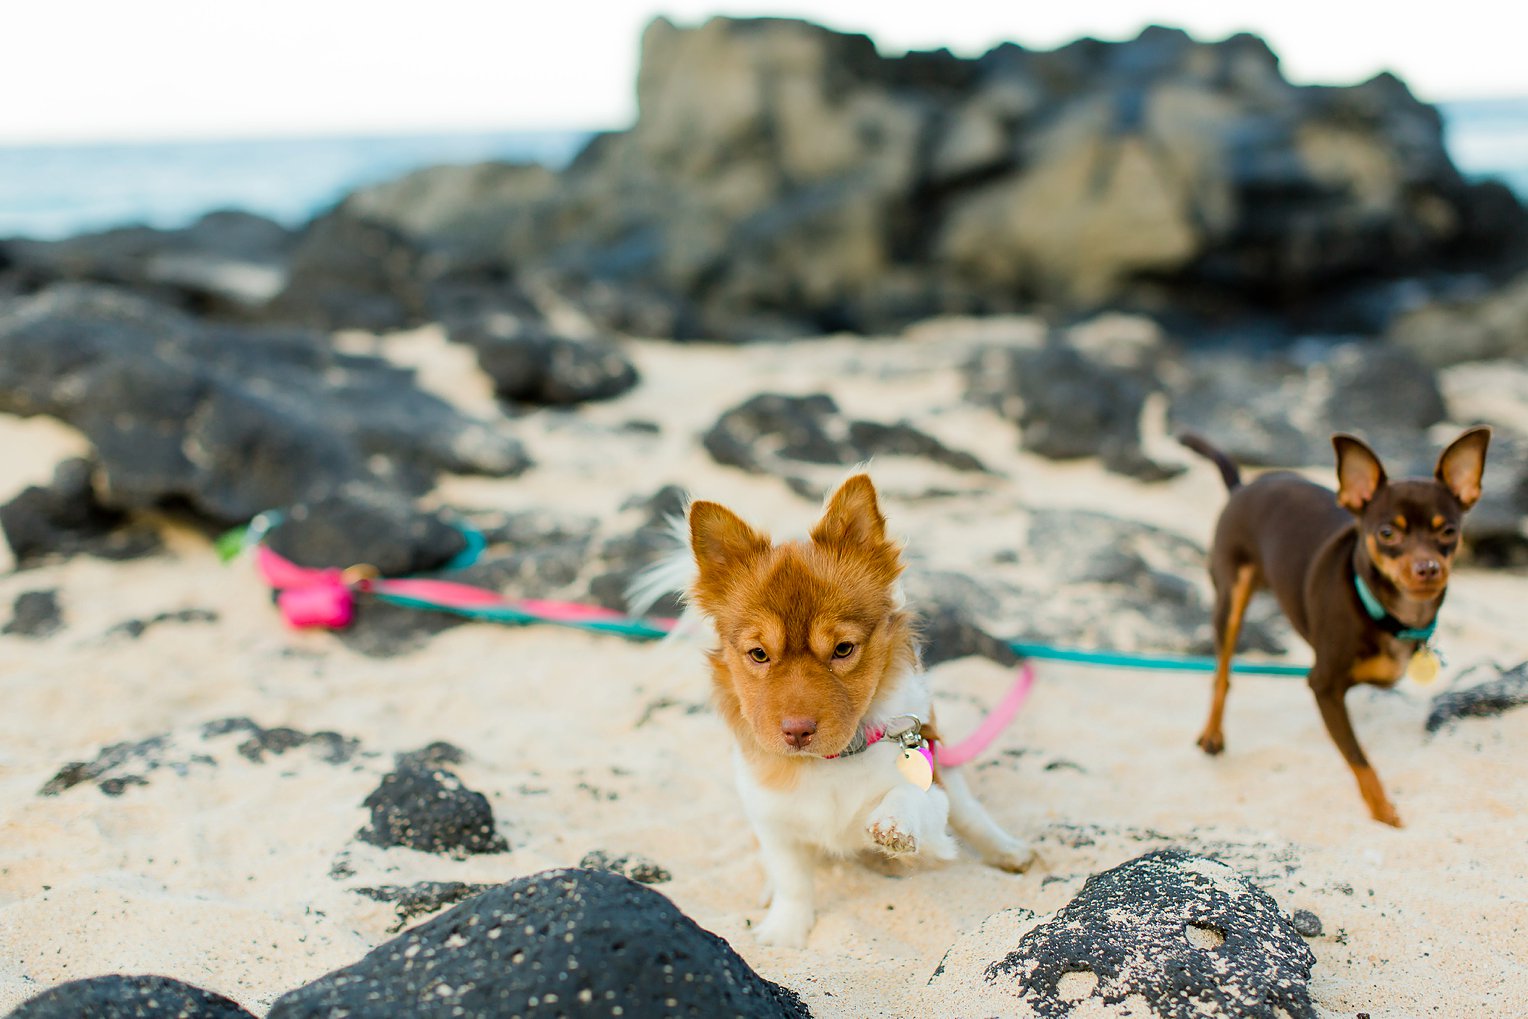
[426, 807]
[35, 614]
[566, 942]
[1168, 935]
[129, 997]
[1486, 698]
[638, 868]
[944, 634]
[410, 901]
[120, 766]
[65, 518]
[228, 421]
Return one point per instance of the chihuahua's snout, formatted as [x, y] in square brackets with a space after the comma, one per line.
[1426, 570]
[798, 732]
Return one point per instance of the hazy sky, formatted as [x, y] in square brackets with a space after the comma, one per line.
[88, 69]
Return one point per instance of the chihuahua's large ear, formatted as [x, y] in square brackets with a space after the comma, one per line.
[721, 541]
[852, 517]
[1462, 464]
[1359, 473]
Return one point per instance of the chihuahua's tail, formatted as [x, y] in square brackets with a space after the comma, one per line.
[1228, 470]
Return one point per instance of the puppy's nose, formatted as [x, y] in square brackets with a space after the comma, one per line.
[1427, 569]
[798, 731]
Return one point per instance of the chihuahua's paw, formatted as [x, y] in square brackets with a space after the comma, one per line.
[1385, 813]
[1212, 743]
[786, 925]
[1013, 855]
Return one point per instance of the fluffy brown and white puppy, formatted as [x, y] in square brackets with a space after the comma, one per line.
[815, 670]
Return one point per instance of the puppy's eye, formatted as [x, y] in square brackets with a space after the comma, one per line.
[1386, 533]
[1449, 533]
[758, 654]
[843, 650]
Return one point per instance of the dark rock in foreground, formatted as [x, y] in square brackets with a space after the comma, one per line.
[129, 997]
[1184, 935]
[568, 942]
[529, 365]
[1481, 700]
[35, 614]
[424, 807]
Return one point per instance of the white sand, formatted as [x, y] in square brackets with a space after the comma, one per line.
[221, 876]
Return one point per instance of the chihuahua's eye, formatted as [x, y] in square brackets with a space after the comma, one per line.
[1449, 533]
[1386, 533]
[758, 654]
[843, 650]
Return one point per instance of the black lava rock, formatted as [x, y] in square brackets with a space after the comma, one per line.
[770, 427]
[66, 518]
[351, 273]
[1482, 700]
[129, 997]
[537, 368]
[566, 943]
[1185, 935]
[379, 528]
[946, 635]
[427, 808]
[35, 614]
[227, 422]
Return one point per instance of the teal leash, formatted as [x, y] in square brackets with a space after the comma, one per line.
[1162, 662]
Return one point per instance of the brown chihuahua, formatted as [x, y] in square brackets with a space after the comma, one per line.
[1360, 576]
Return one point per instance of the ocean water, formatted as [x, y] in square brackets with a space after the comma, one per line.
[57, 191]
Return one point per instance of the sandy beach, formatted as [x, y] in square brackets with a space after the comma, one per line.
[237, 870]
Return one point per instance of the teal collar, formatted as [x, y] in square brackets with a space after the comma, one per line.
[1386, 621]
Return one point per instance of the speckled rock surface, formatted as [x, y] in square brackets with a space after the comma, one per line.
[564, 942]
[427, 808]
[128, 997]
[1168, 935]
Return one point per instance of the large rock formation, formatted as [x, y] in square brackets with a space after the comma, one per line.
[782, 178]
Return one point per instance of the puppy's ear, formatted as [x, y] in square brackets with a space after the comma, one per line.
[1359, 474]
[1462, 464]
[853, 517]
[721, 542]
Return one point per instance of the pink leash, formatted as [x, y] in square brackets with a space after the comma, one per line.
[326, 598]
[952, 756]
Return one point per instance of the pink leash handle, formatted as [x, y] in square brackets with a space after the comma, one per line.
[952, 756]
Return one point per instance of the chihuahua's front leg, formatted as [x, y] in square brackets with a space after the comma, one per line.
[788, 870]
[910, 820]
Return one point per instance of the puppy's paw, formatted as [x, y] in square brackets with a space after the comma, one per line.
[1014, 856]
[892, 836]
[786, 925]
[1212, 742]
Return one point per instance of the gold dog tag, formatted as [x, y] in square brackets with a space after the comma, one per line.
[917, 766]
[1424, 665]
